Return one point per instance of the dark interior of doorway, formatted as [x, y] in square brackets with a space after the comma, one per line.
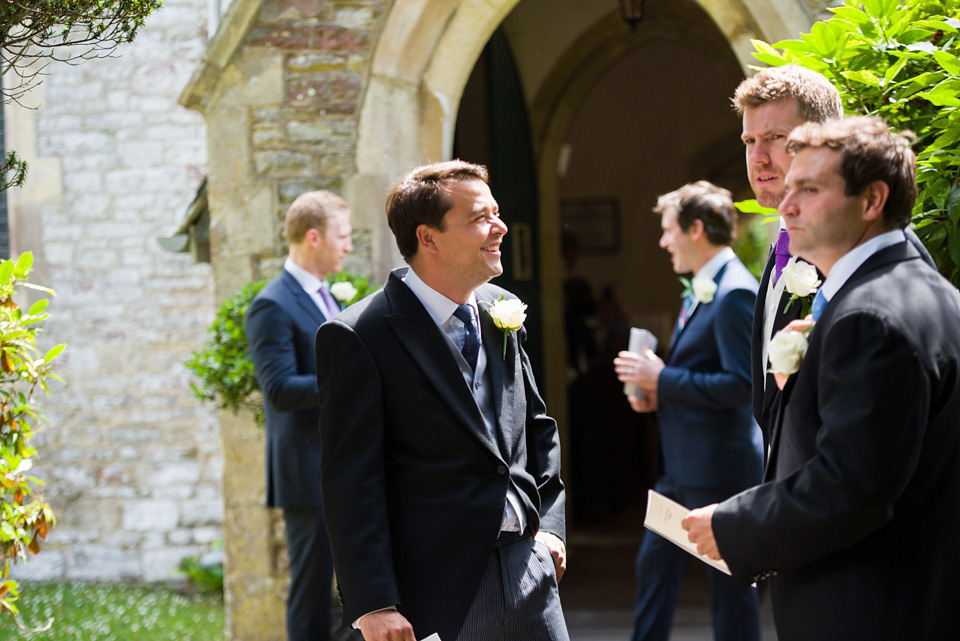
[612, 450]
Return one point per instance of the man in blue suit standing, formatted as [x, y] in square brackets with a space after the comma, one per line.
[710, 443]
[281, 326]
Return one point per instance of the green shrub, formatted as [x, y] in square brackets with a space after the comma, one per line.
[25, 519]
[224, 368]
[899, 60]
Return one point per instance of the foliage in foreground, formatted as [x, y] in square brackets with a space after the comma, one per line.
[224, 369]
[25, 518]
[114, 613]
[63, 30]
[899, 60]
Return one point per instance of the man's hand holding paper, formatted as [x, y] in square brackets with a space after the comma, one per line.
[699, 526]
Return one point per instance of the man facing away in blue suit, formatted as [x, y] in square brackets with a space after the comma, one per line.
[710, 443]
[281, 327]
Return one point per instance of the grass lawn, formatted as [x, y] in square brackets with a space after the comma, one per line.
[113, 613]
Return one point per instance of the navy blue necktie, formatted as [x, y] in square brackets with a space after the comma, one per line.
[819, 302]
[471, 341]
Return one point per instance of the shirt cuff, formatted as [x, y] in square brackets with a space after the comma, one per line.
[356, 624]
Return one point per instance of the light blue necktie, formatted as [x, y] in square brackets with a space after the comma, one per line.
[471, 341]
[819, 302]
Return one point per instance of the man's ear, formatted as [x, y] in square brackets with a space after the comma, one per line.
[876, 194]
[426, 238]
[312, 237]
[695, 230]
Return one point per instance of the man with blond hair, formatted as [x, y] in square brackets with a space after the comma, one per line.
[281, 325]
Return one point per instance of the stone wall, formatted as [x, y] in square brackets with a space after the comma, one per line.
[131, 460]
[280, 91]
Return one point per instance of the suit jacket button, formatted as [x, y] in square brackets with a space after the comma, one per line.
[501, 469]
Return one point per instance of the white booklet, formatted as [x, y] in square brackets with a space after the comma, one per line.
[432, 637]
[664, 517]
[640, 341]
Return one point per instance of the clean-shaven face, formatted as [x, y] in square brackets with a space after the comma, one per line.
[469, 244]
[684, 255]
[334, 243]
[765, 131]
[823, 223]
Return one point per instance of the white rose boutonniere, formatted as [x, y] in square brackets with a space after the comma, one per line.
[704, 289]
[701, 288]
[800, 279]
[508, 315]
[343, 291]
[786, 350]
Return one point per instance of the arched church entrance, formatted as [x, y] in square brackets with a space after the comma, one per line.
[582, 122]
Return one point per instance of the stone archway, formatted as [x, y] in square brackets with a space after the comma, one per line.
[424, 56]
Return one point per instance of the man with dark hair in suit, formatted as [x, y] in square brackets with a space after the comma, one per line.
[856, 525]
[281, 326]
[710, 444]
[441, 469]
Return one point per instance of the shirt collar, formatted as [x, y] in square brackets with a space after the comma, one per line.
[850, 262]
[438, 306]
[712, 266]
[310, 283]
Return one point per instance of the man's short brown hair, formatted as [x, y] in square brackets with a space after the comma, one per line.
[422, 198]
[869, 152]
[705, 202]
[311, 210]
[817, 99]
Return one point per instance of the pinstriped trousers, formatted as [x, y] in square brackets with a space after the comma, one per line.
[518, 598]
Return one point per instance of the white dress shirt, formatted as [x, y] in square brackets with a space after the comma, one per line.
[441, 311]
[311, 284]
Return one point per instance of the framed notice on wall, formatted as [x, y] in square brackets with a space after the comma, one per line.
[595, 222]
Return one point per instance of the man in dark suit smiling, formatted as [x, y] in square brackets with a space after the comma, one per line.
[281, 326]
[441, 469]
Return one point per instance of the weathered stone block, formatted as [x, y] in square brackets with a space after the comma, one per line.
[243, 482]
[161, 565]
[320, 88]
[267, 133]
[50, 565]
[255, 608]
[287, 10]
[316, 62]
[284, 35]
[291, 188]
[283, 163]
[195, 512]
[331, 132]
[102, 563]
[150, 515]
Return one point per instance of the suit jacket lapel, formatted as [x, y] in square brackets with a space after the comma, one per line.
[894, 253]
[429, 349]
[677, 330]
[501, 371]
[304, 301]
